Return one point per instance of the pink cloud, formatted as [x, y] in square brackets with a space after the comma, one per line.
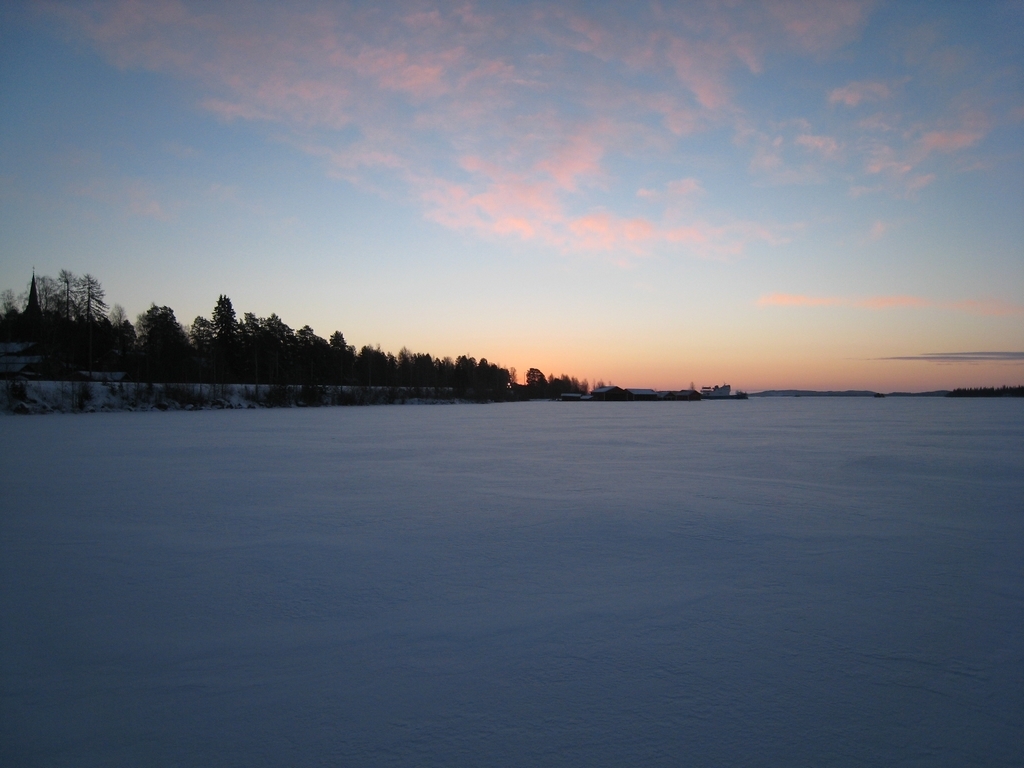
[901, 163]
[885, 159]
[823, 145]
[797, 300]
[817, 27]
[949, 141]
[854, 94]
[680, 189]
[580, 156]
[879, 123]
[506, 204]
[421, 76]
[887, 302]
[508, 126]
[696, 67]
[591, 36]
[678, 118]
[767, 155]
[229, 111]
[685, 187]
[919, 182]
[859, 190]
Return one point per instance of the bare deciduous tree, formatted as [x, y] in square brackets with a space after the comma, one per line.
[67, 283]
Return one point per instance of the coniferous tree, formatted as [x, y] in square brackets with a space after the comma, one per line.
[201, 336]
[344, 356]
[164, 344]
[225, 334]
[250, 340]
[75, 334]
[124, 331]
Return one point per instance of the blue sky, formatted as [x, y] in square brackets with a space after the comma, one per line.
[778, 194]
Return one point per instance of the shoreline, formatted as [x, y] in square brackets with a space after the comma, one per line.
[46, 397]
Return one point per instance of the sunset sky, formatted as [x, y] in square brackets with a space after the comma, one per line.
[775, 194]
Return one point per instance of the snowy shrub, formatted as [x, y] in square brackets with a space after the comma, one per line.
[83, 394]
[16, 390]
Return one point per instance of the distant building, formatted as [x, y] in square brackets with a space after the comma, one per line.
[681, 394]
[111, 376]
[641, 394]
[571, 397]
[609, 393]
[17, 359]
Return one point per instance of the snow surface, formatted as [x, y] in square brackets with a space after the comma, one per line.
[764, 582]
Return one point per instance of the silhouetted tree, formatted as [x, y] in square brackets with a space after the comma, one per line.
[225, 338]
[9, 303]
[279, 342]
[344, 357]
[315, 356]
[202, 337]
[164, 344]
[92, 295]
[74, 333]
[536, 383]
[124, 331]
[68, 287]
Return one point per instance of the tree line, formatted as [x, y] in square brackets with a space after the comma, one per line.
[75, 331]
[1004, 391]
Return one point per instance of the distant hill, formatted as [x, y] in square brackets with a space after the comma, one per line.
[843, 393]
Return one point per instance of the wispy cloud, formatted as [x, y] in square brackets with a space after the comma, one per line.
[567, 107]
[903, 159]
[798, 300]
[975, 307]
[132, 196]
[823, 145]
[411, 97]
[854, 94]
[889, 302]
[182, 151]
[878, 230]
[498, 201]
[962, 357]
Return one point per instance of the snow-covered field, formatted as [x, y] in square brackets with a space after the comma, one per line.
[786, 582]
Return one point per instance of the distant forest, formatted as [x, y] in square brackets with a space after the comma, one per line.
[988, 392]
[77, 334]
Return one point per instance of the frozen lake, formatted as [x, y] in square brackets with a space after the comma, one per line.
[786, 582]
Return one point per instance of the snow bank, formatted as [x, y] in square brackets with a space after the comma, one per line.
[37, 397]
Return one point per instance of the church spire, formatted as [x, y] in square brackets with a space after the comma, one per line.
[33, 310]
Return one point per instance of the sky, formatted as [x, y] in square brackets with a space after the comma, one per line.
[779, 194]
